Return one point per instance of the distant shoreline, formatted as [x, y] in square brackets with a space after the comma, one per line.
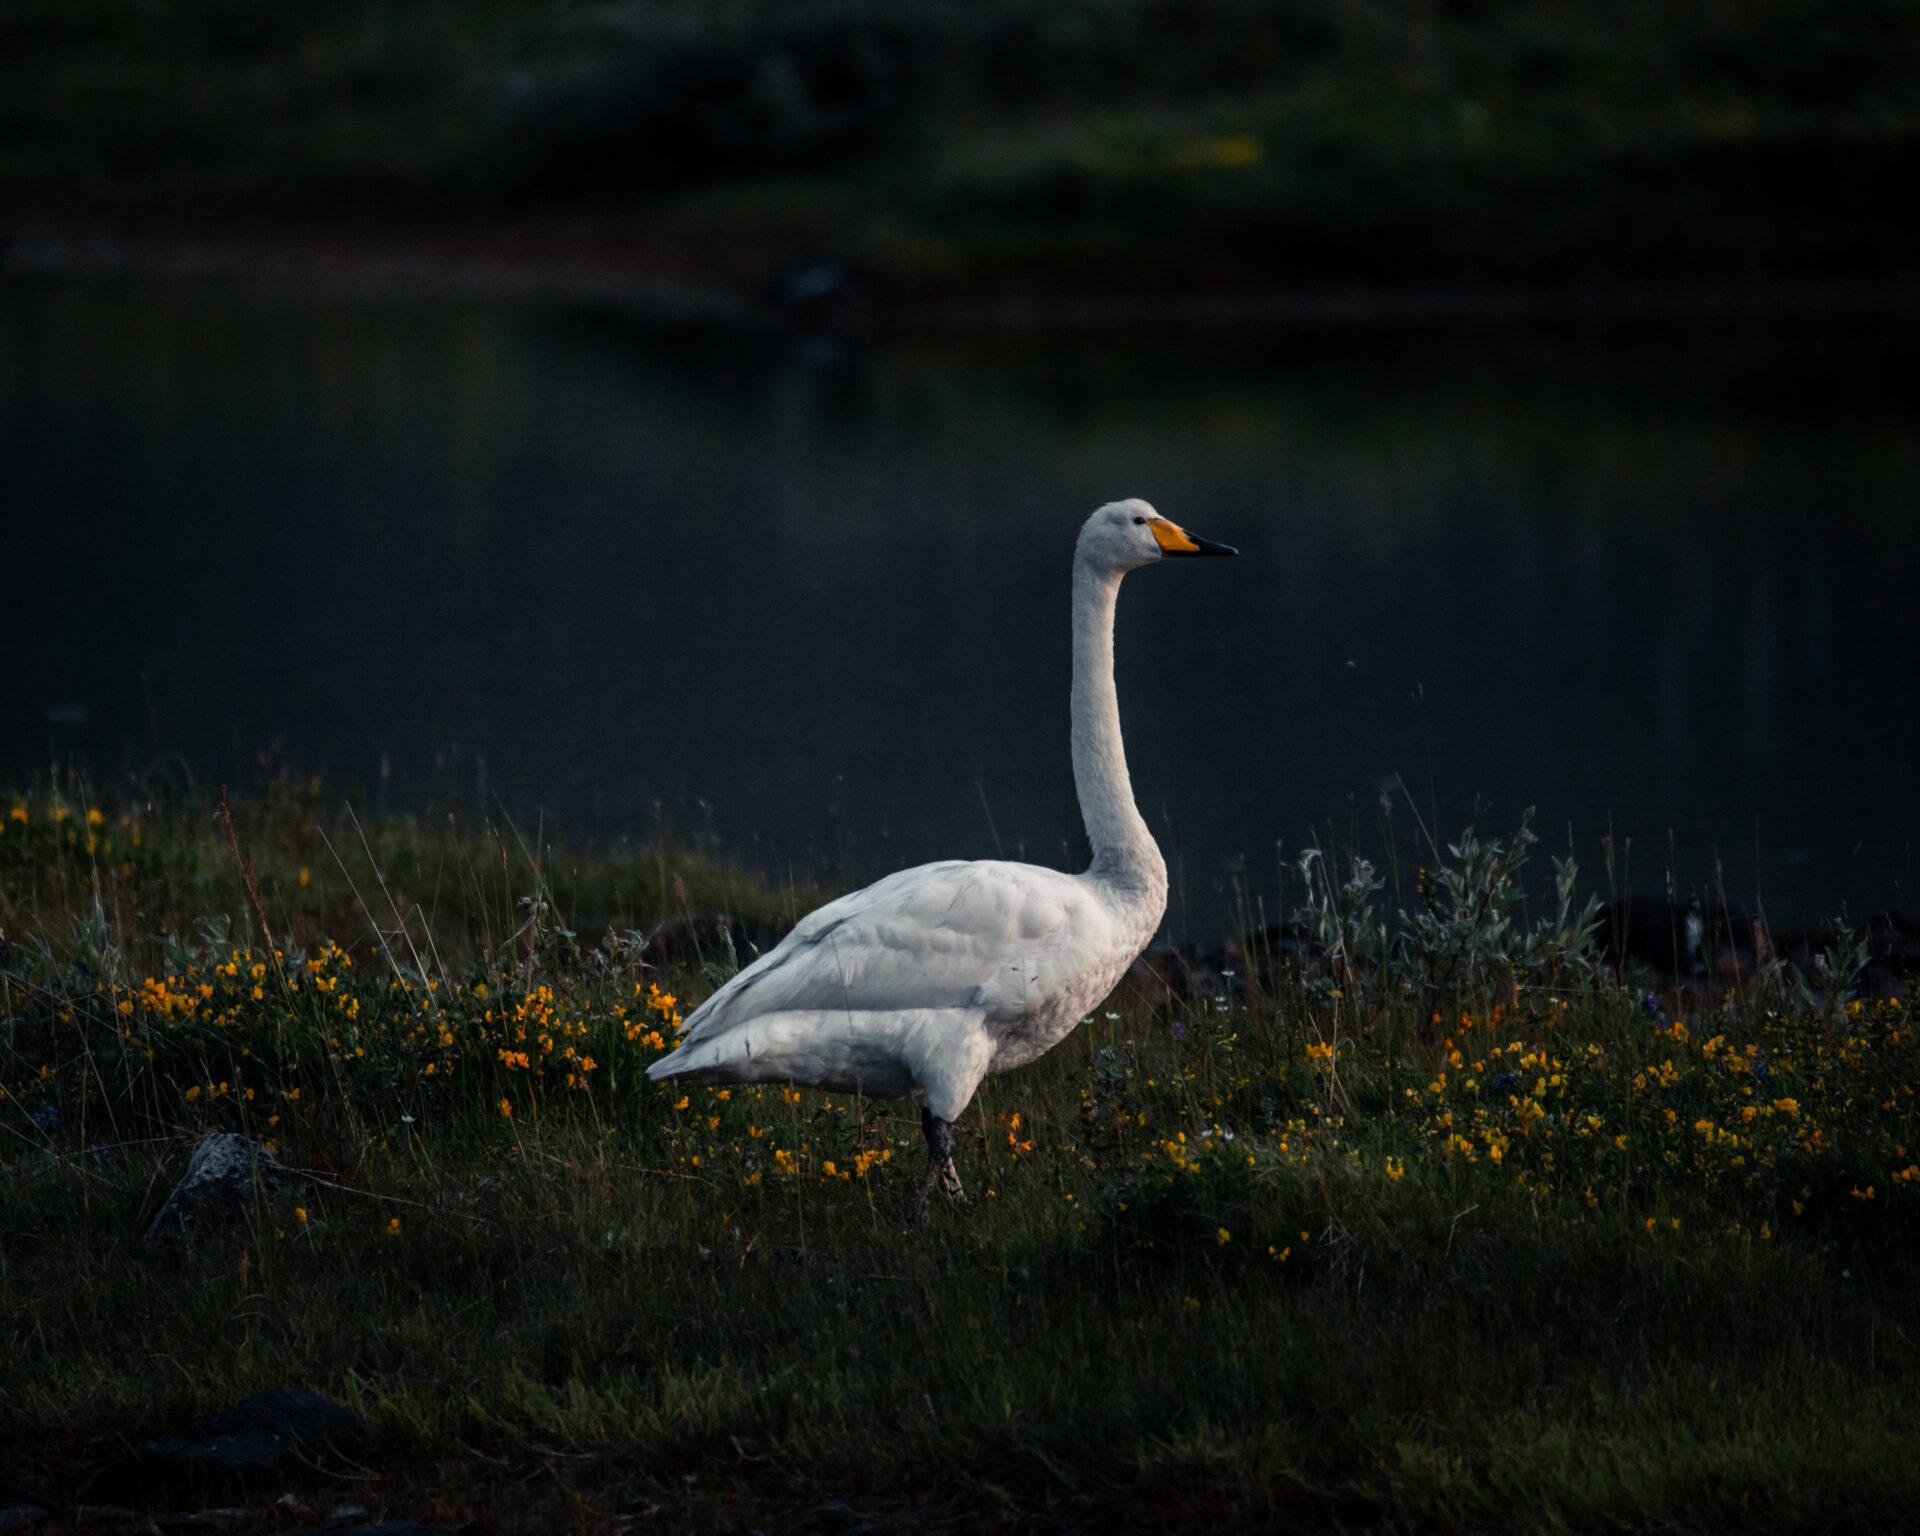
[512, 263]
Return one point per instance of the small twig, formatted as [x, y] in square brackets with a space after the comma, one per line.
[365, 1194]
[1456, 1222]
[664, 1173]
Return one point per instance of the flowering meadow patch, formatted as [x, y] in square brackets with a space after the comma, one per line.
[1494, 1209]
[1758, 1113]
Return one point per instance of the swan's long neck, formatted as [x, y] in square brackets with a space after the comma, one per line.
[1125, 857]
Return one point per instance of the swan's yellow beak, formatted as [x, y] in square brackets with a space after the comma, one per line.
[1175, 540]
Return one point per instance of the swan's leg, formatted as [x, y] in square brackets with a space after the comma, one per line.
[941, 1173]
[947, 1077]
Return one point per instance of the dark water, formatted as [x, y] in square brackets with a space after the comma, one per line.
[810, 600]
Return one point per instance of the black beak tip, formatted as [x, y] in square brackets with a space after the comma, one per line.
[1208, 547]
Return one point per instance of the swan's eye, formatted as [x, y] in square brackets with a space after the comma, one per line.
[1139, 522]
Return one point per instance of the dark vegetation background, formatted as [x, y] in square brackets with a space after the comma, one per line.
[1124, 144]
[1486, 1229]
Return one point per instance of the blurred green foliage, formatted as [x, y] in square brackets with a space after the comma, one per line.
[1120, 141]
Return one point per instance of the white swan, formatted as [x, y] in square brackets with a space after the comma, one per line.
[933, 977]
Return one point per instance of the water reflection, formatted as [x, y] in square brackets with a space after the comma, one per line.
[810, 598]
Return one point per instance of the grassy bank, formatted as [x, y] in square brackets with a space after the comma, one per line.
[1099, 145]
[1469, 1235]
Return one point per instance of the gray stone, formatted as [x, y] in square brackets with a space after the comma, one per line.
[269, 1436]
[21, 1517]
[224, 1175]
[347, 1514]
[220, 1520]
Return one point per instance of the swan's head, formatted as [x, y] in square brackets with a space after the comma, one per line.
[1125, 535]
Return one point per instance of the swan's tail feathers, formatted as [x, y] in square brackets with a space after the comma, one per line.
[698, 1047]
[729, 1056]
[688, 1062]
[834, 1050]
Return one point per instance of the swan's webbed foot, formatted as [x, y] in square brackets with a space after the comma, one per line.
[941, 1173]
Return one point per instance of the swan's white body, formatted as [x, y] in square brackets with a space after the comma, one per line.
[928, 979]
[933, 977]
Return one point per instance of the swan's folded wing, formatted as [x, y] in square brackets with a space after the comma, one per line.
[953, 935]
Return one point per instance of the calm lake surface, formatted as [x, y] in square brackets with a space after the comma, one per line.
[809, 599]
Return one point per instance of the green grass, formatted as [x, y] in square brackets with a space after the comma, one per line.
[1094, 144]
[1405, 1290]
